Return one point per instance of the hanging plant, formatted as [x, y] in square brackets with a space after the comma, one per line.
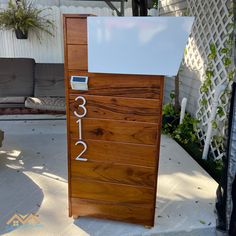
[22, 17]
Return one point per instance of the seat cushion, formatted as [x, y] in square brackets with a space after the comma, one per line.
[46, 103]
[49, 80]
[11, 100]
[16, 77]
[1, 137]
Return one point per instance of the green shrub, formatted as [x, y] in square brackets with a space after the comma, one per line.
[186, 132]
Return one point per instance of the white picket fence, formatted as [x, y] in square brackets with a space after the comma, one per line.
[49, 49]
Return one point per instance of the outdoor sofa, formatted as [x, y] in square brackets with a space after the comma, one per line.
[24, 83]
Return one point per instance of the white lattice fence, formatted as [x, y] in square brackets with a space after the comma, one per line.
[211, 21]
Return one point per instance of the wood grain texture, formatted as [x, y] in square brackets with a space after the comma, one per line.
[113, 152]
[67, 112]
[112, 192]
[118, 85]
[76, 32]
[116, 173]
[122, 131]
[112, 130]
[127, 213]
[77, 57]
[118, 108]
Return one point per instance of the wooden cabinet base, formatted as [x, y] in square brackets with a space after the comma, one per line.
[106, 210]
[113, 137]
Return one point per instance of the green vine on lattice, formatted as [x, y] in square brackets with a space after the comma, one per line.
[226, 52]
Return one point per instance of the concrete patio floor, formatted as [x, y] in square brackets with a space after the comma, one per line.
[33, 179]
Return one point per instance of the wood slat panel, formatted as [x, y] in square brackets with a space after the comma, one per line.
[128, 213]
[114, 193]
[115, 173]
[117, 85]
[123, 153]
[77, 57]
[122, 131]
[118, 131]
[76, 31]
[130, 109]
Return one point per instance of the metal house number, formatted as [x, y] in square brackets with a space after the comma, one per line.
[81, 142]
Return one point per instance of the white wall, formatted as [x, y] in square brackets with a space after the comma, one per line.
[79, 3]
[48, 49]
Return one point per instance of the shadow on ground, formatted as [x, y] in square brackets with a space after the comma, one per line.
[19, 194]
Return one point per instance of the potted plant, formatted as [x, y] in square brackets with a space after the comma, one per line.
[22, 17]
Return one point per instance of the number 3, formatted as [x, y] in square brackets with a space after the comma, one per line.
[82, 106]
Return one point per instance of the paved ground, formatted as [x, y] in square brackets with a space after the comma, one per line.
[33, 179]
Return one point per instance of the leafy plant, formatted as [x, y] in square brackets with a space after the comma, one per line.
[186, 132]
[168, 109]
[23, 16]
[155, 4]
[170, 118]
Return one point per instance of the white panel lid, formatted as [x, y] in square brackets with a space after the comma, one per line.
[137, 45]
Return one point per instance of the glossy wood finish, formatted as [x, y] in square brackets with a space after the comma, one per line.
[108, 210]
[126, 153]
[129, 86]
[112, 192]
[122, 133]
[75, 52]
[115, 173]
[118, 108]
[76, 31]
[118, 131]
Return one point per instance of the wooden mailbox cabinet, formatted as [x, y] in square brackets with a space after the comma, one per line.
[117, 122]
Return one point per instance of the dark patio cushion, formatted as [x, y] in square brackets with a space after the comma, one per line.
[1, 137]
[46, 103]
[16, 77]
[49, 80]
[10, 100]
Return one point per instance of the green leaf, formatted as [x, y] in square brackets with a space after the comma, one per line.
[227, 61]
[202, 222]
[203, 102]
[172, 95]
[224, 50]
[214, 124]
[203, 88]
[213, 48]
[230, 75]
[209, 74]
[220, 111]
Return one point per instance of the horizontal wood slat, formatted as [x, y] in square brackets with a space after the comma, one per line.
[76, 32]
[112, 130]
[110, 172]
[77, 57]
[114, 193]
[118, 85]
[121, 129]
[128, 213]
[123, 153]
[118, 108]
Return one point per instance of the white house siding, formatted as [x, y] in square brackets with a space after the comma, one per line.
[189, 79]
[78, 3]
